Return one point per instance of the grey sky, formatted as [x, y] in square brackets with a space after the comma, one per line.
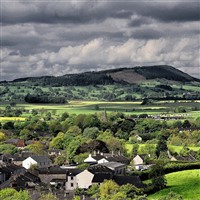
[59, 37]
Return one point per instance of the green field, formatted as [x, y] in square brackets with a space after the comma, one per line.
[185, 183]
[131, 108]
[175, 148]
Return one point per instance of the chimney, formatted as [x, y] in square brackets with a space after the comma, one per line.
[95, 153]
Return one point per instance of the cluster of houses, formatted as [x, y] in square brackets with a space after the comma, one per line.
[27, 171]
[18, 171]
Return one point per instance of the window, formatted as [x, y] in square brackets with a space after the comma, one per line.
[72, 185]
[72, 178]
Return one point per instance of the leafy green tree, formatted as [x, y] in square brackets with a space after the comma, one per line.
[130, 190]
[64, 116]
[134, 150]
[60, 160]
[107, 189]
[57, 142]
[8, 149]
[91, 121]
[91, 133]
[2, 136]
[157, 176]
[10, 193]
[8, 125]
[48, 196]
[73, 146]
[74, 130]
[93, 191]
[55, 126]
[37, 148]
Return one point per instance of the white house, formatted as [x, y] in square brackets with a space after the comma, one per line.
[84, 179]
[139, 161]
[40, 161]
[71, 182]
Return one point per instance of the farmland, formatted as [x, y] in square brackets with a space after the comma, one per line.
[185, 183]
[131, 108]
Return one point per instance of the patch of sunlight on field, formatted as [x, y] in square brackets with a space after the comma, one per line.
[185, 183]
[12, 118]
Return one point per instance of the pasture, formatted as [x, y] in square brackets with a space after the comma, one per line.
[175, 148]
[130, 108]
[185, 183]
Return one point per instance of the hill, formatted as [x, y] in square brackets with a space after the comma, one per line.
[121, 75]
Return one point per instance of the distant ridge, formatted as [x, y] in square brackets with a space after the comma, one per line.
[119, 75]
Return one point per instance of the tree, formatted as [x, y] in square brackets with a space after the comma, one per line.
[48, 196]
[130, 190]
[10, 193]
[93, 191]
[134, 150]
[64, 116]
[74, 130]
[8, 149]
[8, 125]
[91, 133]
[57, 142]
[60, 160]
[37, 148]
[162, 143]
[157, 176]
[107, 189]
[2, 136]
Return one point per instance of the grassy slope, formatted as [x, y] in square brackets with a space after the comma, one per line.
[175, 148]
[185, 183]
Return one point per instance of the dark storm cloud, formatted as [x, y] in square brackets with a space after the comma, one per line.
[56, 38]
[94, 11]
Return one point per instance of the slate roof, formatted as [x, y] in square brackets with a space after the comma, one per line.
[99, 168]
[52, 170]
[98, 157]
[116, 158]
[10, 168]
[100, 177]
[122, 180]
[185, 158]
[73, 172]
[113, 164]
[40, 159]
[16, 142]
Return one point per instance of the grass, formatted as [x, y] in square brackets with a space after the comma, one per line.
[12, 119]
[131, 108]
[175, 148]
[185, 183]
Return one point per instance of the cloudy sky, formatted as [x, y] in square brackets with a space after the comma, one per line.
[54, 37]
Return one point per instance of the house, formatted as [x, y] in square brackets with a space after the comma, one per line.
[106, 157]
[71, 181]
[54, 152]
[101, 177]
[116, 167]
[10, 170]
[188, 158]
[19, 143]
[94, 159]
[139, 161]
[52, 175]
[40, 161]
[134, 180]
[25, 181]
[84, 179]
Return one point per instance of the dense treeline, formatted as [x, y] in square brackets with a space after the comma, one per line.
[30, 98]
